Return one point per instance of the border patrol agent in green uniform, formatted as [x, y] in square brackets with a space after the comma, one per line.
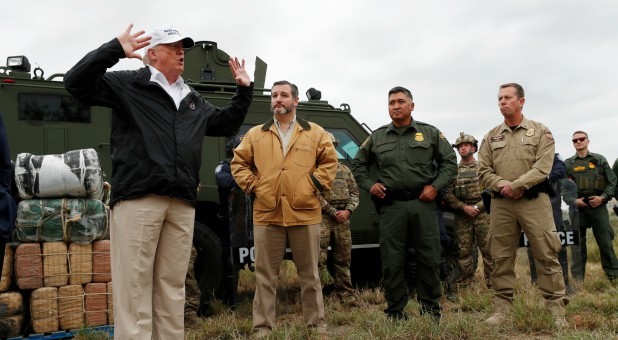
[407, 183]
[515, 160]
[596, 183]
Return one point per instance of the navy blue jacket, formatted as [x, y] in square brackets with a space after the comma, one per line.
[8, 208]
[156, 148]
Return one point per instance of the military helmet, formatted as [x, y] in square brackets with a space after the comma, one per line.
[332, 138]
[464, 138]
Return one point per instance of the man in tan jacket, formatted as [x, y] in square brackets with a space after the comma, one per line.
[284, 163]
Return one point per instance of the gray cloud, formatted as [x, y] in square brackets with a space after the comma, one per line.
[451, 54]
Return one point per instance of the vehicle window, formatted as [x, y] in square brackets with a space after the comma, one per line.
[347, 147]
[52, 108]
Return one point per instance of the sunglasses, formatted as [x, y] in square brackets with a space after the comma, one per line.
[580, 139]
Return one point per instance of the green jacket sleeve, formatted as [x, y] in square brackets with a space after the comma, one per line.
[361, 164]
[447, 163]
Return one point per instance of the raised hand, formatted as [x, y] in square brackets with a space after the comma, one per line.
[133, 42]
[238, 72]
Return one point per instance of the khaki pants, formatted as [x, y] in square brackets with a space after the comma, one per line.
[151, 240]
[270, 241]
[534, 216]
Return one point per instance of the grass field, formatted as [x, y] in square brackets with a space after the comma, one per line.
[592, 312]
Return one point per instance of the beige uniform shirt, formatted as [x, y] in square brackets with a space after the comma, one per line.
[523, 156]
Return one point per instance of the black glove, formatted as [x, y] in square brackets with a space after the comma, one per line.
[615, 209]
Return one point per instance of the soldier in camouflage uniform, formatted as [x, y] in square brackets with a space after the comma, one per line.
[596, 183]
[471, 219]
[337, 206]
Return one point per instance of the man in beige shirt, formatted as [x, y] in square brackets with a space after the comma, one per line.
[515, 160]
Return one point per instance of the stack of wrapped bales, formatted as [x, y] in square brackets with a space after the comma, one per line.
[62, 232]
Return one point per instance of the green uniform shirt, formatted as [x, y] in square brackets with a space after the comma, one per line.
[592, 175]
[404, 158]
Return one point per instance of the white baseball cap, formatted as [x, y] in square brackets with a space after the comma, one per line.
[168, 34]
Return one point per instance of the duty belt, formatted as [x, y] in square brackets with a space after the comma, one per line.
[533, 191]
[403, 195]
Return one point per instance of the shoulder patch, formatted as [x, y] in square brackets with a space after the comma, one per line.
[442, 136]
[549, 135]
[218, 168]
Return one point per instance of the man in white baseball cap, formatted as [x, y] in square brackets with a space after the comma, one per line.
[158, 126]
[168, 34]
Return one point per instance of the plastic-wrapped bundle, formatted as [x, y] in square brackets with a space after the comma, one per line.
[80, 263]
[73, 174]
[95, 304]
[101, 266]
[71, 307]
[55, 267]
[44, 309]
[7, 269]
[28, 266]
[11, 314]
[63, 219]
[110, 303]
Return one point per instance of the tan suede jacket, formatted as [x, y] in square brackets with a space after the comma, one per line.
[286, 189]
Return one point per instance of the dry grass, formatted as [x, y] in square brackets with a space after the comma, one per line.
[592, 312]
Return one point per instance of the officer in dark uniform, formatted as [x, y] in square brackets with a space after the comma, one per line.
[403, 153]
[596, 183]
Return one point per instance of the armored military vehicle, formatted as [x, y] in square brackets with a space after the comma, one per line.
[42, 118]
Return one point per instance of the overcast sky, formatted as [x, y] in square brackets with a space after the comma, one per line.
[452, 55]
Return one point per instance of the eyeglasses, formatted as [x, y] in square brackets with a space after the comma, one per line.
[580, 139]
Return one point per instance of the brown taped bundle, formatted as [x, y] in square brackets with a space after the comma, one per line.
[110, 304]
[80, 263]
[29, 266]
[101, 267]
[55, 268]
[71, 307]
[44, 310]
[11, 303]
[96, 304]
[7, 269]
[11, 326]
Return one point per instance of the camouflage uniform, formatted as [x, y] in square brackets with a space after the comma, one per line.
[466, 190]
[192, 292]
[343, 196]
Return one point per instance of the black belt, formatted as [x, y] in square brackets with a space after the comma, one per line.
[403, 195]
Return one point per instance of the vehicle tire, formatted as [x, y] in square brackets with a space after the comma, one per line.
[208, 264]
